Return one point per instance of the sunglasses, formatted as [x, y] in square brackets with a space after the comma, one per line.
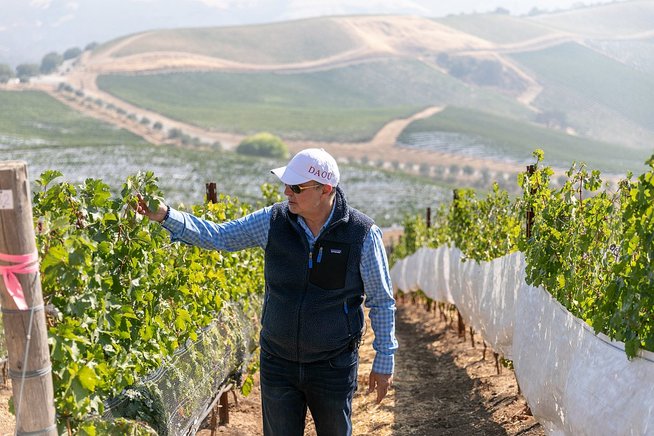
[298, 189]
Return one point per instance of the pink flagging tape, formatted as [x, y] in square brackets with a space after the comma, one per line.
[23, 264]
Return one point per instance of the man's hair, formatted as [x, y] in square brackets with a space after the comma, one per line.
[333, 193]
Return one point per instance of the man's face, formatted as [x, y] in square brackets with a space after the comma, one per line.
[307, 201]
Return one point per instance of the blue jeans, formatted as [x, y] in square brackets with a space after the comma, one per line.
[326, 388]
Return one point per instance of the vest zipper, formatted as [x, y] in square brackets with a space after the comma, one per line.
[304, 294]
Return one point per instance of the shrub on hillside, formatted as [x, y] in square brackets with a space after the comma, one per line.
[263, 144]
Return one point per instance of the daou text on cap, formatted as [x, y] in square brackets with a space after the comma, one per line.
[309, 164]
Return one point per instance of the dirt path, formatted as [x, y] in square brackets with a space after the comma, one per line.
[442, 387]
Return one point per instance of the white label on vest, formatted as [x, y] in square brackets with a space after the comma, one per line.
[6, 199]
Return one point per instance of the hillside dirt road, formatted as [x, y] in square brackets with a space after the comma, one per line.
[378, 37]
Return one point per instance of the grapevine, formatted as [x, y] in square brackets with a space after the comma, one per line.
[591, 247]
[123, 297]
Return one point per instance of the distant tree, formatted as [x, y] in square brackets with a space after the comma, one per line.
[51, 62]
[25, 71]
[502, 11]
[6, 73]
[91, 46]
[157, 125]
[488, 72]
[263, 144]
[175, 133]
[145, 121]
[72, 53]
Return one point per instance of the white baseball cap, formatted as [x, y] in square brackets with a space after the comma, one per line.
[309, 164]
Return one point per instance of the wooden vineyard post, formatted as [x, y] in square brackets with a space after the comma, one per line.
[530, 212]
[461, 327]
[22, 306]
[223, 411]
[212, 195]
[223, 408]
[429, 217]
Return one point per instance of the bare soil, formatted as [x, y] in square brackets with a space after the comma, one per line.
[442, 386]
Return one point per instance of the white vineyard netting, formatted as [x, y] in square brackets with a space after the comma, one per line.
[576, 382]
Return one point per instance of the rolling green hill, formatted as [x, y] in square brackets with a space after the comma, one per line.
[595, 77]
[344, 104]
[496, 136]
[638, 55]
[33, 119]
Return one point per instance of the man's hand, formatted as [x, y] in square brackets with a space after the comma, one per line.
[381, 382]
[157, 215]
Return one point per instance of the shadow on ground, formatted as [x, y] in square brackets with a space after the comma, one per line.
[433, 396]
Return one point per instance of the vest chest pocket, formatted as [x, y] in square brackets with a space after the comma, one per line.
[330, 265]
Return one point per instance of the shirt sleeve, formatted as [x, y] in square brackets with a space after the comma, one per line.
[248, 231]
[380, 301]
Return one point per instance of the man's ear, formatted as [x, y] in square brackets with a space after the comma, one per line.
[327, 189]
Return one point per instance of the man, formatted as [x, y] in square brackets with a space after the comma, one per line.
[321, 258]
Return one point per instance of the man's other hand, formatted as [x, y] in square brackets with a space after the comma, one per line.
[381, 382]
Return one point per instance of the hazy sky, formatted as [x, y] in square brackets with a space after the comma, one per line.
[31, 28]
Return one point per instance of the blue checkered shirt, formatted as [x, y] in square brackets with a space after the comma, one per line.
[252, 231]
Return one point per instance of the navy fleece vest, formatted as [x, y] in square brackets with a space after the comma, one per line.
[313, 310]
